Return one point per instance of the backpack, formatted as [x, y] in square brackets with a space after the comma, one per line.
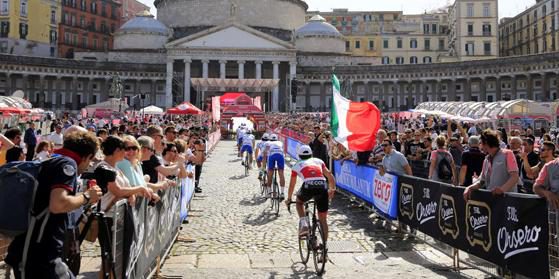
[18, 187]
[444, 170]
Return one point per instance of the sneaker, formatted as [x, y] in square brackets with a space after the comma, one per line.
[197, 190]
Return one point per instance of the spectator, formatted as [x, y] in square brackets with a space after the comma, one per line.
[57, 191]
[441, 160]
[425, 152]
[30, 140]
[546, 155]
[393, 161]
[11, 138]
[500, 171]
[156, 134]
[170, 134]
[151, 166]
[378, 151]
[56, 137]
[411, 152]
[15, 154]
[43, 151]
[395, 142]
[547, 183]
[472, 162]
[317, 145]
[102, 134]
[531, 158]
[114, 150]
[455, 148]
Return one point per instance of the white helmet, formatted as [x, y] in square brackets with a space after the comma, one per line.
[274, 137]
[266, 136]
[304, 150]
[249, 131]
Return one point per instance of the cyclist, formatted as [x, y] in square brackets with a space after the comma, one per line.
[240, 133]
[258, 153]
[248, 146]
[314, 173]
[274, 158]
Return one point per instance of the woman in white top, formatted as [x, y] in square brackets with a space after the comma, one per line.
[43, 151]
[118, 186]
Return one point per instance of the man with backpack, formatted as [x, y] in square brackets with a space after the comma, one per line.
[442, 167]
[37, 250]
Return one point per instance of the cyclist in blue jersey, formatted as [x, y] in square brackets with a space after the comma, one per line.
[240, 133]
[274, 158]
[248, 146]
[259, 151]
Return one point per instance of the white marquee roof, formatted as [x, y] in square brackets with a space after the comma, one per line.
[245, 84]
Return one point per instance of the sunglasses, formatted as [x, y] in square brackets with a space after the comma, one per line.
[385, 145]
[130, 148]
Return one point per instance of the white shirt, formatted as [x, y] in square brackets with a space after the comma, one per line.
[57, 139]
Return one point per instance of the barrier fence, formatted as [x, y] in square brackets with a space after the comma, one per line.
[511, 231]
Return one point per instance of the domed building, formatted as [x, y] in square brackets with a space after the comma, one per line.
[141, 32]
[317, 35]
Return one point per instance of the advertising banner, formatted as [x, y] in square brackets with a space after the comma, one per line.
[510, 230]
[187, 191]
[367, 184]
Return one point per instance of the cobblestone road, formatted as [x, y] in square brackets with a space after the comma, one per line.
[236, 236]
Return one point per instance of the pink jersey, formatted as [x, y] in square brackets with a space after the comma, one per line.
[309, 170]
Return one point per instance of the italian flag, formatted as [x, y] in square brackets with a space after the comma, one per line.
[353, 124]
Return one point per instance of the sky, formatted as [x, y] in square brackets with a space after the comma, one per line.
[507, 8]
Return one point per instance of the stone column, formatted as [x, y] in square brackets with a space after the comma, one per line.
[74, 94]
[514, 87]
[42, 91]
[9, 84]
[275, 91]
[384, 98]
[169, 84]
[424, 90]
[307, 95]
[222, 64]
[451, 92]
[153, 93]
[403, 96]
[396, 96]
[467, 90]
[498, 95]
[205, 68]
[258, 71]
[187, 76]
[293, 69]
[546, 92]
[409, 98]
[437, 91]
[529, 87]
[241, 64]
[323, 96]
[483, 89]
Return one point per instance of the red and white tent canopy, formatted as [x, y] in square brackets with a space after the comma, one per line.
[184, 108]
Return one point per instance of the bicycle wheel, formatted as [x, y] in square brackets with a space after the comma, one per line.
[276, 199]
[305, 248]
[246, 164]
[263, 184]
[319, 249]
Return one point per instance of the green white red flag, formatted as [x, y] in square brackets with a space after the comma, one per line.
[354, 124]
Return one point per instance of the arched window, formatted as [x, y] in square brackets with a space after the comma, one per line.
[427, 59]
[399, 60]
[386, 60]
[413, 60]
[413, 43]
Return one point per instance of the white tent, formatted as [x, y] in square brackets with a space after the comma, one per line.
[152, 110]
[109, 106]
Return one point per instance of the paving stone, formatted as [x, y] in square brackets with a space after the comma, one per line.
[223, 261]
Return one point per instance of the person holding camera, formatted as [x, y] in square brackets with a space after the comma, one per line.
[57, 191]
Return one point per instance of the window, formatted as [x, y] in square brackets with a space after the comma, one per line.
[470, 10]
[4, 7]
[413, 43]
[4, 29]
[425, 28]
[83, 5]
[434, 28]
[371, 45]
[385, 43]
[386, 60]
[535, 29]
[23, 30]
[84, 42]
[486, 29]
[399, 60]
[413, 60]
[441, 44]
[470, 29]
[66, 37]
[487, 48]
[113, 28]
[73, 23]
[75, 39]
[94, 46]
[347, 46]
[113, 12]
[53, 17]
[53, 36]
[3, 47]
[23, 8]
[544, 9]
[399, 43]
[486, 12]
[93, 8]
[357, 44]
[52, 51]
[82, 21]
[469, 48]
[427, 44]
[427, 59]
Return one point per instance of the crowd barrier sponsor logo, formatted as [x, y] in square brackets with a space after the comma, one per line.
[510, 231]
[448, 223]
[478, 224]
[367, 184]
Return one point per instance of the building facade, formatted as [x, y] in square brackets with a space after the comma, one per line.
[532, 31]
[473, 30]
[29, 27]
[130, 8]
[87, 25]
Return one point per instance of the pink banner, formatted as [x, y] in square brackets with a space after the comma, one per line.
[258, 102]
[213, 139]
[216, 109]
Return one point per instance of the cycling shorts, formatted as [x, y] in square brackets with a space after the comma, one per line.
[317, 190]
[246, 148]
[239, 141]
[276, 160]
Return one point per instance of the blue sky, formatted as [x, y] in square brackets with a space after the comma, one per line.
[507, 8]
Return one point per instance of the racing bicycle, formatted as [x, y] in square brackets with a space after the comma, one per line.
[275, 194]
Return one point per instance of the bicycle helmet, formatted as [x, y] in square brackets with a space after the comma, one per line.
[304, 150]
[265, 137]
[249, 131]
[274, 137]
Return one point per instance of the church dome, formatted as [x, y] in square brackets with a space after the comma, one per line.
[317, 26]
[144, 23]
[141, 32]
